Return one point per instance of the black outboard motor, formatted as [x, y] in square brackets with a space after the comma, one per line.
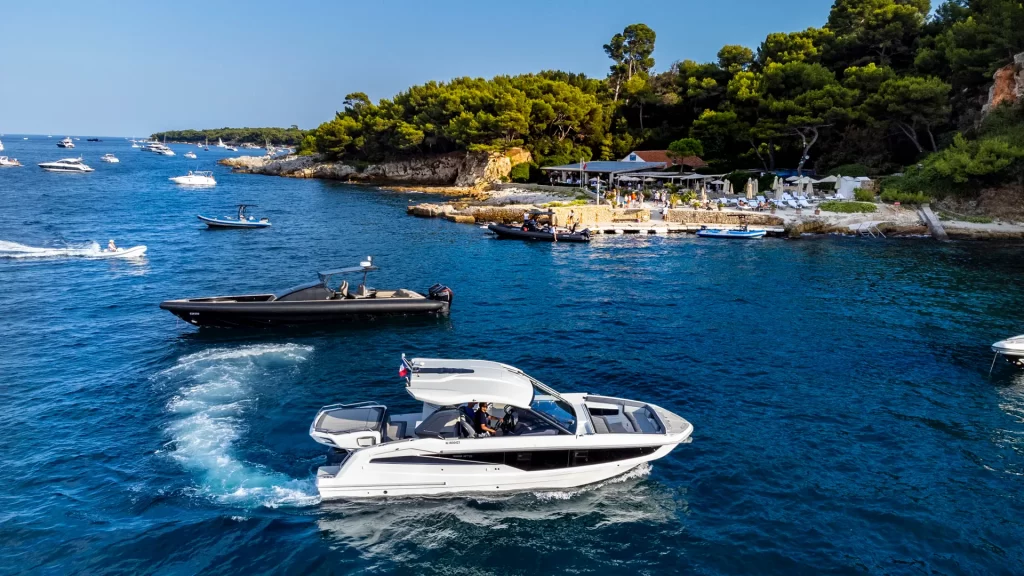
[441, 293]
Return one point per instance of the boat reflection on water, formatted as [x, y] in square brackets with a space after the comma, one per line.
[410, 529]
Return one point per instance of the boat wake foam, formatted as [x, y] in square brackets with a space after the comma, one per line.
[209, 418]
[15, 250]
[638, 472]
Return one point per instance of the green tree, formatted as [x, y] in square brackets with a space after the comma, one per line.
[911, 104]
[734, 59]
[785, 47]
[880, 31]
[631, 53]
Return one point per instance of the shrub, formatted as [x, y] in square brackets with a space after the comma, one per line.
[848, 207]
[853, 170]
[520, 172]
[577, 202]
[905, 197]
[862, 195]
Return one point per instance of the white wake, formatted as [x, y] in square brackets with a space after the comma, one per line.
[15, 250]
[216, 391]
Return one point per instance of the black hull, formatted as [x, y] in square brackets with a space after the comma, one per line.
[517, 233]
[301, 313]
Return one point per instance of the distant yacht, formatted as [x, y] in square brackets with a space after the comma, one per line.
[1, 145]
[231, 148]
[110, 158]
[195, 178]
[6, 162]
[190, 155]
[66, 143]
[135, 143]
[66, 165]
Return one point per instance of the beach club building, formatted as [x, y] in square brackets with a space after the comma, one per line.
[646, 166]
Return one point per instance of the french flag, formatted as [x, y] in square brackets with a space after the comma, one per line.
[404, 370]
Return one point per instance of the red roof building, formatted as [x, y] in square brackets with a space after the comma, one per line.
[663, 157]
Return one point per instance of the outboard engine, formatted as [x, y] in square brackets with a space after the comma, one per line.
[441, 293]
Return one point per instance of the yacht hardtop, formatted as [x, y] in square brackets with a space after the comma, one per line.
[544, 440]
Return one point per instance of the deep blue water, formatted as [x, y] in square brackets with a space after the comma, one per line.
[845, 421]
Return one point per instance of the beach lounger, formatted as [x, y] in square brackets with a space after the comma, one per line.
[792, 204]
[804, 203]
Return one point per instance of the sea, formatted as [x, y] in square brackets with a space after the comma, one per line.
[845, 417]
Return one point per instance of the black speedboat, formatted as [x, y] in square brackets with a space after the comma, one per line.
[316, 303]
[532, 230]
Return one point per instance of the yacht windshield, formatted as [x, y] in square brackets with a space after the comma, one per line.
[555, 408]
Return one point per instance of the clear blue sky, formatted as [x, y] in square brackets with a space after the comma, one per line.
[133, 68]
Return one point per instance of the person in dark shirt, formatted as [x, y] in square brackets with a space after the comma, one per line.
[482, 419]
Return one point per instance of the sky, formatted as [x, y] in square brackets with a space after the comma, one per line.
[120, 68]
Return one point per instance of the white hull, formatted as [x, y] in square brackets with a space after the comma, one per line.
[359, 478]
[1010, 347]
[193, 181]
[133, 252]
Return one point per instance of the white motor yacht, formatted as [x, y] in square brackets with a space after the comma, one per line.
[6, 162]
[158, 148]
[66, 143]
[66, 165]
[195, 178]
[1011, 348]
[231, 148]
[190, 155]
[110, 158]
[544, 440]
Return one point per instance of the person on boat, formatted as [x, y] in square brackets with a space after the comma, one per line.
[482, 419]
[469, 410]
[111, 247]
[572, 221]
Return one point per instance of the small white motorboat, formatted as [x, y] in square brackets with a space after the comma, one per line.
[109, 158]
[133, 252]
[1012, 349]
[195, 178]
[66, 143]
[190, 155]
[6, 162]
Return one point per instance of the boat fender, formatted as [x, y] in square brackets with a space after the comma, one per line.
[525, 229]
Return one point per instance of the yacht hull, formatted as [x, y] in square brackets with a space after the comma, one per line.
[209, 312]
[362, 475]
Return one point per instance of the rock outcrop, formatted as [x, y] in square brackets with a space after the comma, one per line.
[461, 169]
[1007, 84]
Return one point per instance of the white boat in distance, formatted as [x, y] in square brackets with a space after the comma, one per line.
[66, 165]
[1, 145]
[190, 155]
[544, 440]
[220, 143]
[66, 143]
[1011, 348]
[195, 178]
[6, 162]
[110, 158]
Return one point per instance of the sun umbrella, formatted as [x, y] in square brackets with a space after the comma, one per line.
[828, 180]
[808, 189]
[757, 187]
[792, 179]
[779, 188]
[703, 194]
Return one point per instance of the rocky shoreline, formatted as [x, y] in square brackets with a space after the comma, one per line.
[457, 169]
[474, 178]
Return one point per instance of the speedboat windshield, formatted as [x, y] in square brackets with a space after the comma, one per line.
[550, 404]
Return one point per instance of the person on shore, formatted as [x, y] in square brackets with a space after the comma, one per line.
[482, 419]
[572, 221]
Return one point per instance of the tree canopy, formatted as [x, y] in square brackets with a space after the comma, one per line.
[881, 84]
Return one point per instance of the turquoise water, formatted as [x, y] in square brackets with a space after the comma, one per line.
[844, 419]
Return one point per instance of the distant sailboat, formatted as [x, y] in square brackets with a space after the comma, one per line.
[1, 145]
[220, 143]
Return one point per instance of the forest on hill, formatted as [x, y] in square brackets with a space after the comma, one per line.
[277, 136]
[883, 86]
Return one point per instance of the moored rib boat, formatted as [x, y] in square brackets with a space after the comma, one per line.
[543, 440]
[242, 221]
[314, 303]
[741, 234]
[1012, 349]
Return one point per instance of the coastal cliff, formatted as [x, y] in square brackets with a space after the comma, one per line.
[1007, 84]
[459, 169]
